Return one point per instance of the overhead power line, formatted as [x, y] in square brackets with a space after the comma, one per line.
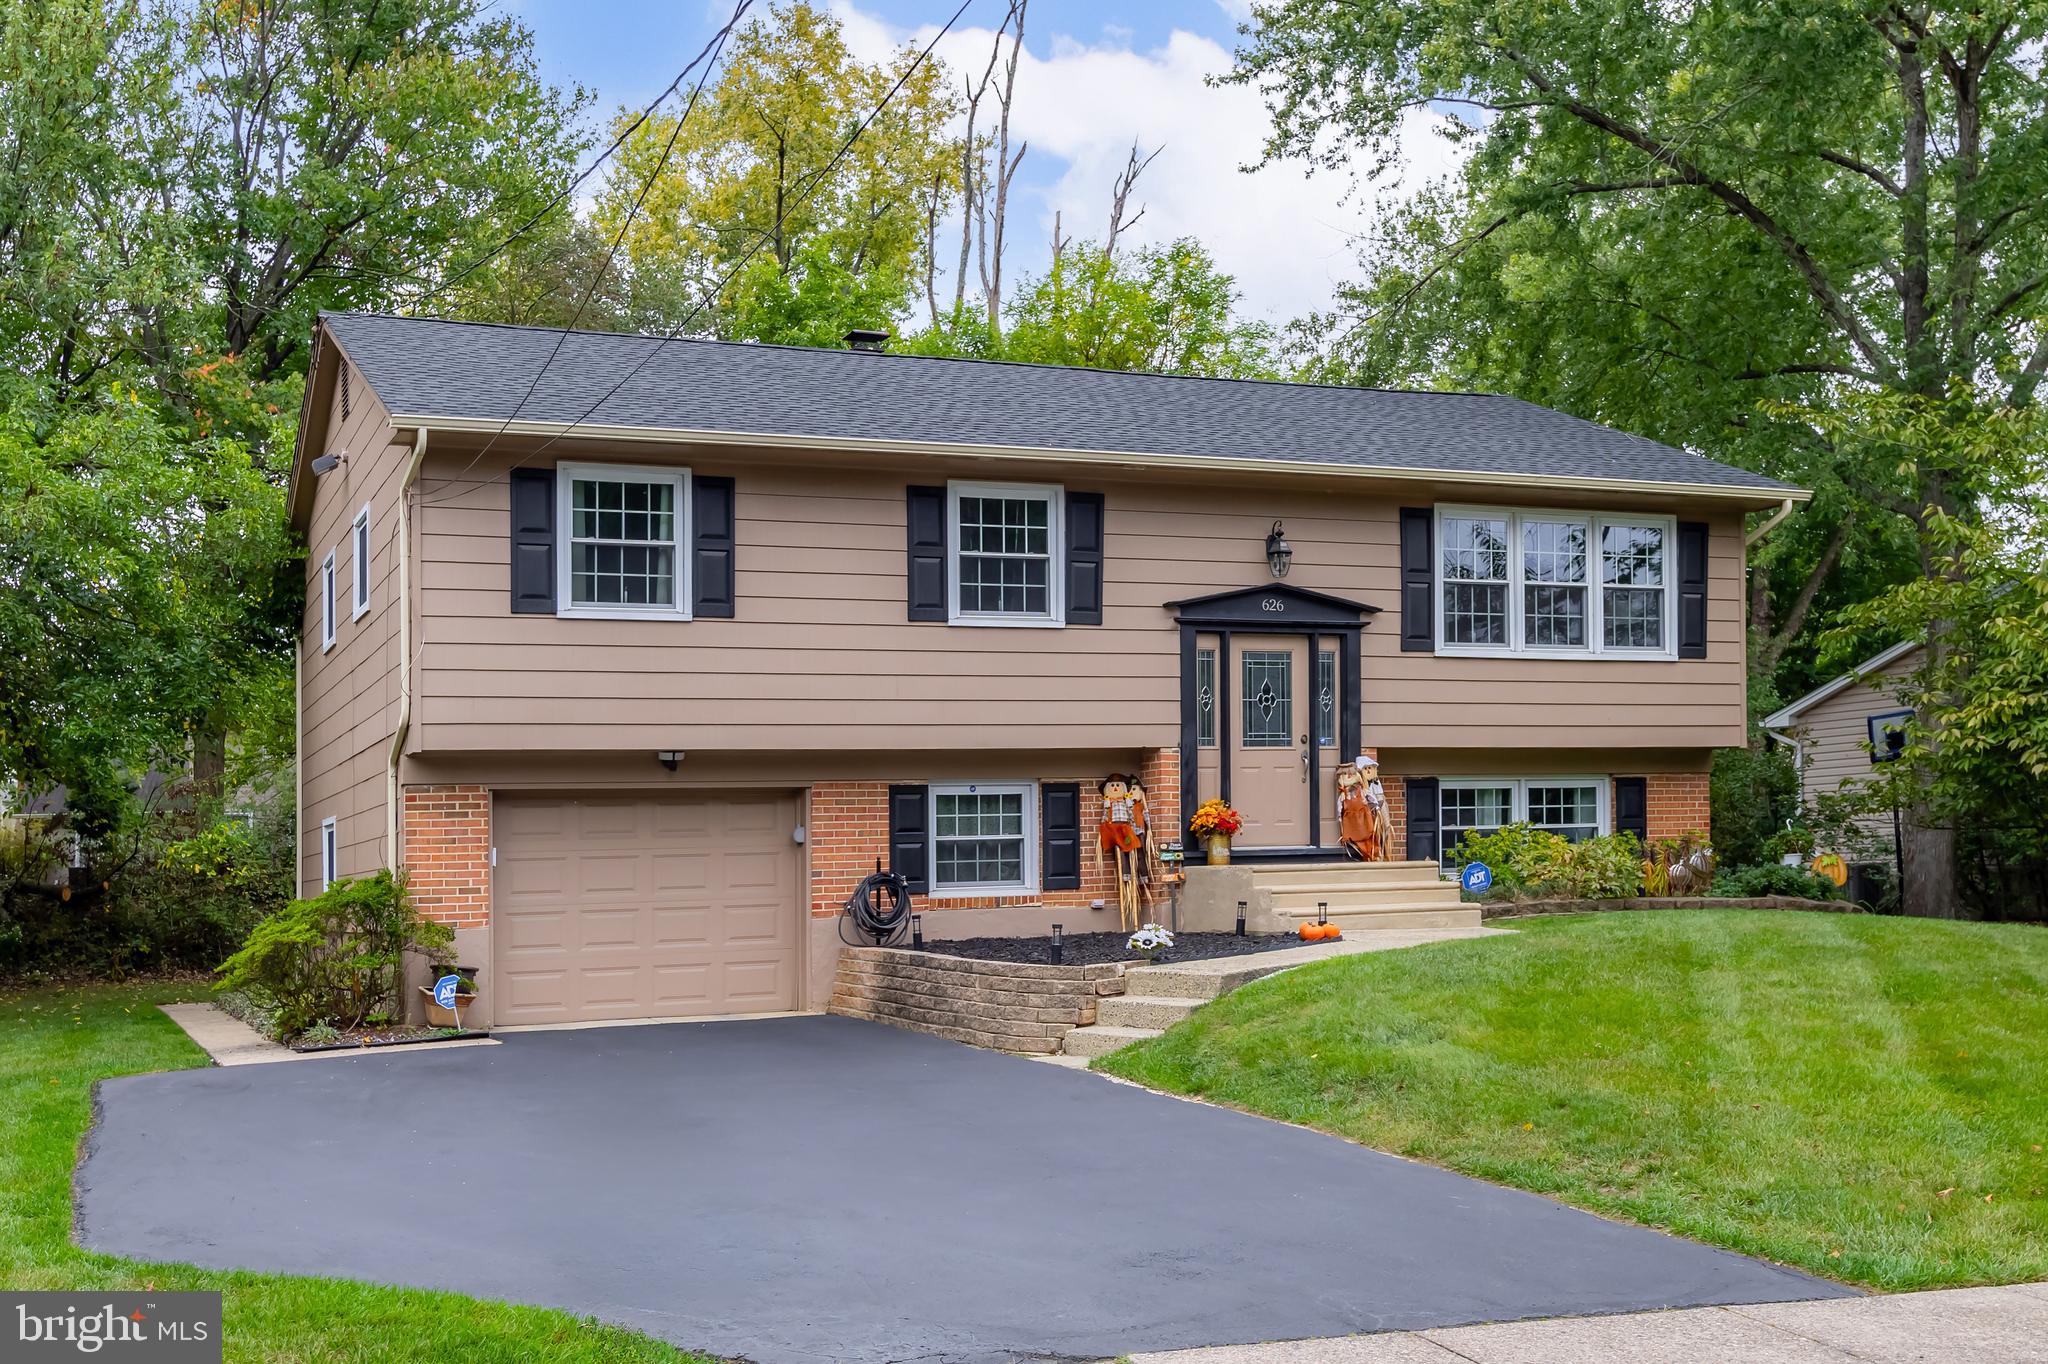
[796, 200]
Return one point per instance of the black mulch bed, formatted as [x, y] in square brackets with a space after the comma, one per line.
[389, 1035]
[1089, 949]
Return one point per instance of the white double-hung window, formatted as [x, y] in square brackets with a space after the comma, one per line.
[1554, 584]
[984, 838]
[627, 528]
[1574, 808]
[1006, 542]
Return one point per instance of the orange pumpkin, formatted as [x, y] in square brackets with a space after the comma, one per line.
[1331, 932]
[1311, 932]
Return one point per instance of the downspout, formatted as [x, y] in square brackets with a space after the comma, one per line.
[1783, 511]
[412, 473]
[299, 764]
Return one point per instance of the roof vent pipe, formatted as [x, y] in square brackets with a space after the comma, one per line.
[861, 338]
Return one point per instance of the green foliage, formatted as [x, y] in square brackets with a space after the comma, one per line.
[334, 957]
[319, 1035]
[1773, 878]
[1783, 844]
[1751, 794]
[1528, 861]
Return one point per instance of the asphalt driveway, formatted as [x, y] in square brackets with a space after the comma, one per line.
[818, 1189]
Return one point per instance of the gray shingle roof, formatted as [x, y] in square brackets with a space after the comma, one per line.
[422, 367]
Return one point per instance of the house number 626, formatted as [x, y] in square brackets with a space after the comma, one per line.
[1272, 604]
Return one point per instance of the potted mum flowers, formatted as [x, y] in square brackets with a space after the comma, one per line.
[1214, 823]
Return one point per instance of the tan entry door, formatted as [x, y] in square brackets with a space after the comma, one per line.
[1269, 740]
[644, 907]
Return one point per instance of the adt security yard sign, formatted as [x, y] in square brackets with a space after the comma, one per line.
[444, 991]
[1477, 879]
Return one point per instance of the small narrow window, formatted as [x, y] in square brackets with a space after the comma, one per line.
[328, 870]
[1326, 699]
[359, 549]
[1205, 698]
[344, 390]
[327, 603]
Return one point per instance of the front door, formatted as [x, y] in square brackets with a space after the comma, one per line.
[1269, 750]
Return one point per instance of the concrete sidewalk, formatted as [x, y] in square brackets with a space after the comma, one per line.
[1950, 1326]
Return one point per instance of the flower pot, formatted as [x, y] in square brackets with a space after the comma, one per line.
[1219, 850]
[439, 1017]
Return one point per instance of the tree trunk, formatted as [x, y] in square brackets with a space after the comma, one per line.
[209, 758]
[1930, 889]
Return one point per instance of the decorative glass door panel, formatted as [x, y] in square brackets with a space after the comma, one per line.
[1269, 753]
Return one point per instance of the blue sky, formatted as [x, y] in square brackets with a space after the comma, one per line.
[1100, 73]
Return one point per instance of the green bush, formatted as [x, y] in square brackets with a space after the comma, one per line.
[1773, 878]
[335, 958]
[1752, 792]
[1528, 861]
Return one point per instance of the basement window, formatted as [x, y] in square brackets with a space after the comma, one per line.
[984, 839]
[1574, 808]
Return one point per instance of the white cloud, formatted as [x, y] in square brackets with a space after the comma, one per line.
[1284, 232]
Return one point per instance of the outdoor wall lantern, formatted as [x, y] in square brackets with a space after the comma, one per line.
[669, 757]
[1279, 554]
[325, 464]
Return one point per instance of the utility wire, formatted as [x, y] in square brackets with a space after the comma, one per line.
[801, 196]
[715, 47]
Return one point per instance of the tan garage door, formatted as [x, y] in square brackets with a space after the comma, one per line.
[644, 907]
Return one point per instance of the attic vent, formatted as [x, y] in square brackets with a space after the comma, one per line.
[861, 338]
[343, 380]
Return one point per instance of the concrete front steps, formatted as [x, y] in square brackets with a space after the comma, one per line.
[1363, 896]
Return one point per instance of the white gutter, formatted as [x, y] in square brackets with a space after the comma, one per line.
[1129, 459]
[412, 473]
[1767, 527]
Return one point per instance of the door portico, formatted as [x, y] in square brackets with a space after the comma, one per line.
[1269, 705]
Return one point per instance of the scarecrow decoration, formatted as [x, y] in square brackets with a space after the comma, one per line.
[1122, 819]
[1141, 823]
[1363, 825]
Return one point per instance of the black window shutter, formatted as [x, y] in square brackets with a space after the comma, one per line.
[1084, 558]
[1692, 589]
[1425, 819]
[533, 541]
[925, 516]
[1632, 807]
[711, 530]
[910, 840]
[1418, 610]
[1059, 826]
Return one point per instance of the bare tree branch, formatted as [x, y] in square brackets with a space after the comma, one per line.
[1120, 194]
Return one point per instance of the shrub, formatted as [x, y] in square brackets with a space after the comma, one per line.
[336, 957]
[1526, 860]
[1603, 868]
[1774, 878]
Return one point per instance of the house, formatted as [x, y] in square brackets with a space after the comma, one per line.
[638, 654]
[1837, 733]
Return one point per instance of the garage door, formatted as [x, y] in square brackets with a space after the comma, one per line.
[644, 907]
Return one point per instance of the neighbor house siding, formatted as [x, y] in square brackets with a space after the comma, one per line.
[349, 694]
[821, 656]
[1834, 736]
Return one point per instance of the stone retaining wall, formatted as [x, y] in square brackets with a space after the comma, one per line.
[1002, 1005]
[1511, 909]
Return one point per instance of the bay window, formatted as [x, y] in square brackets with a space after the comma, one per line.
[1523, 581]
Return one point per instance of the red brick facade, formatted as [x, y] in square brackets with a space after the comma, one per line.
[848, 829]
[448, 853]
[1678, 804]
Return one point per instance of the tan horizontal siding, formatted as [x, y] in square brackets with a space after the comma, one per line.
[349, 694]
[822, 657]
[1834, 736]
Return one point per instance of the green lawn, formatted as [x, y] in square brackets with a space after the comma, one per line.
[54, 1044]
[1863, 1097]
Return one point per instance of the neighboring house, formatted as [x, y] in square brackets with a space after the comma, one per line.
[637, 655]
[1835, 731]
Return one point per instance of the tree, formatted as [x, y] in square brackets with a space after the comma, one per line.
[1166, 309]
[755, 174]
[1698, 222]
